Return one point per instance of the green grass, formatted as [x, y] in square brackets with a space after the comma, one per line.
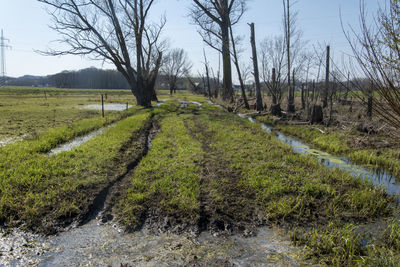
[331, 141]
[337, 246]
[387, 159]
[168, 177]
[37, 189]
[26, 111]
[325, 206]
[293, 187]
[339, 143]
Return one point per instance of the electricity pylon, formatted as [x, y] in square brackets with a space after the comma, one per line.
[3, 47]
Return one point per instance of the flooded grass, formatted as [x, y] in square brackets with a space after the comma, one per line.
[26, 111]
[203, 195]
[339, 143]
[42, 191]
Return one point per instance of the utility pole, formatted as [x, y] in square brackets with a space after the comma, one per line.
[3, 46]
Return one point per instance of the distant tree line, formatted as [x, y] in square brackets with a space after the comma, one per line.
[90, 78]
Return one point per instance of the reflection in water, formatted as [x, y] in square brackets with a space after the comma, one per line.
[377, 177]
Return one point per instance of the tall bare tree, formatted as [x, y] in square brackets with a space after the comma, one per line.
[214, 18]
[235, 54]
[116, 31]
[176, 64]
[293, 45]
[377, 50]
[259, 104]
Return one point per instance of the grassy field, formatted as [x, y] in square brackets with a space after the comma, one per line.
[27, 111]
[206, 170]
[375, 154]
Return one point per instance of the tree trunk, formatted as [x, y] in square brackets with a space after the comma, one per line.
[236, 63]
[227, 92]
[317, 115]
[325, 96]
[259, 105]
[369, 105]
[144, 97]
[276, 110]
[274, 89]
[291, 106]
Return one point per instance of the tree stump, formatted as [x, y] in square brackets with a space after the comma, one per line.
[317, 115]
[291, 108]
[276, 110]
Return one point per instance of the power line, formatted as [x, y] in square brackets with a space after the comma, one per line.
[3, 47]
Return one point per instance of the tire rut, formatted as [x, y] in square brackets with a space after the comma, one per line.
[101, 207]
[226, 205]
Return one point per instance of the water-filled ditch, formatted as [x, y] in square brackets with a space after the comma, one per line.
[96, 243]
[102, 243]
[377, 177]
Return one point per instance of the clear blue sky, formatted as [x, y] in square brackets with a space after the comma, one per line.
[25, 23]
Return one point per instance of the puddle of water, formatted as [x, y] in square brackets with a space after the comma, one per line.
[159, 104]
[77, 141]
[7, 141]
[108, 107]
[196, 103]
[184, 104]
[377, 177]
[212, 103]
[96, 244]
[20, 249]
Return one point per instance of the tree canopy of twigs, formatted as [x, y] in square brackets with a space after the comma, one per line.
[176, 64]
[116, 31]
[376, 49]
[214, 17]
[272, 56]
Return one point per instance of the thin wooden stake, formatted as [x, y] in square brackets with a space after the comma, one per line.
[102, 105]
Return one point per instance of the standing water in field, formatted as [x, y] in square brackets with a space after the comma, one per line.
[108, 107]
[96, 244]
[7, 141]
[100, 242]
[77, 141]
[377, 177]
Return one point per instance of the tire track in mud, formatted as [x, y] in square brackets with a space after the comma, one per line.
[102, 205]
[104, 201]
[227, 206]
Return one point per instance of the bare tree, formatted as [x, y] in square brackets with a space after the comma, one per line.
[214, 18]
[272, 54]
[293, 45]
[176, 64]
[377, 51]
[116, 31]
[235, 52]
[206, 79]
[259, 105]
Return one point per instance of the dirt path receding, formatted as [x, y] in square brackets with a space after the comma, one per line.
[227, 206]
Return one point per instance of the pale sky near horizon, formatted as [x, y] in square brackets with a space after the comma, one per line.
[25, 23]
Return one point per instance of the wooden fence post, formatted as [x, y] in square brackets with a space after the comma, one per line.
[102, 105]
